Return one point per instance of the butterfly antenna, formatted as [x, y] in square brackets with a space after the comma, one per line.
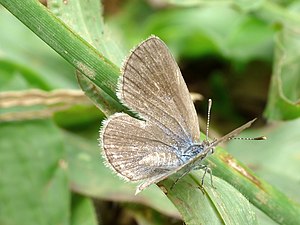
[208, 118]
[248, 139]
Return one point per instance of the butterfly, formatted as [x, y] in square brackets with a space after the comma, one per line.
[165, 138]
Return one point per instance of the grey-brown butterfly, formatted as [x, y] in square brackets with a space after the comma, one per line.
[166, 137]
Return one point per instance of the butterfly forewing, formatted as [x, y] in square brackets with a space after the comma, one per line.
[152, 85]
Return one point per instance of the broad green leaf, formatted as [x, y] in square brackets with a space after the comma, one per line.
[78, 116]
[83, 212]
[197, 31]
[208, 205]
[147, 216]
[250, 39]
[30, 58]
[249, 5]
[260, 193]
[246, 5]
[263, 219]
[18, 77]
[33, 182]
[276, 159]
[284, 94]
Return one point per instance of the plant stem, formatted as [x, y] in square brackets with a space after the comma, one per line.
[67, 44]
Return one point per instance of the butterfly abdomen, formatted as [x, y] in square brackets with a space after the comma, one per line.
[165, 160]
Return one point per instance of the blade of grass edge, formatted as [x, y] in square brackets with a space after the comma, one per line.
[95, 67]
[90, 26]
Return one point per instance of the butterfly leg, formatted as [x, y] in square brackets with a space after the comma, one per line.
[206, 170]
[181, 176]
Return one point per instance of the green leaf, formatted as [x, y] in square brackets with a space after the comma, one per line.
[260, 193]
[148, 216]
[250, 39]
[30, 58]
[277, 158]
[78, 116]
[17, 77]
[246, 5]
[197, 31]
[90, 26]
[83, 212]
[99, 97]
[208, 205]
[95, 67]
[284, 94]
[34, 188]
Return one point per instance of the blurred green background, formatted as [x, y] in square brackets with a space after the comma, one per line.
[242, 54]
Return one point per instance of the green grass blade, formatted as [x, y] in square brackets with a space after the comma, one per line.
[85, 18]
[221, 204]
[95, 67]
[87, 21]
[261, 194]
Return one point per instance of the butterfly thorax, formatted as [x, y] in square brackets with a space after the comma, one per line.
[196, 149]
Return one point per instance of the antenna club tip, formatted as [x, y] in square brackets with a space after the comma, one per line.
[261, 138]
[209, 104]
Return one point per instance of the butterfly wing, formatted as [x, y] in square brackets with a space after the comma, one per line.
[152, 86]
[136, 149]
